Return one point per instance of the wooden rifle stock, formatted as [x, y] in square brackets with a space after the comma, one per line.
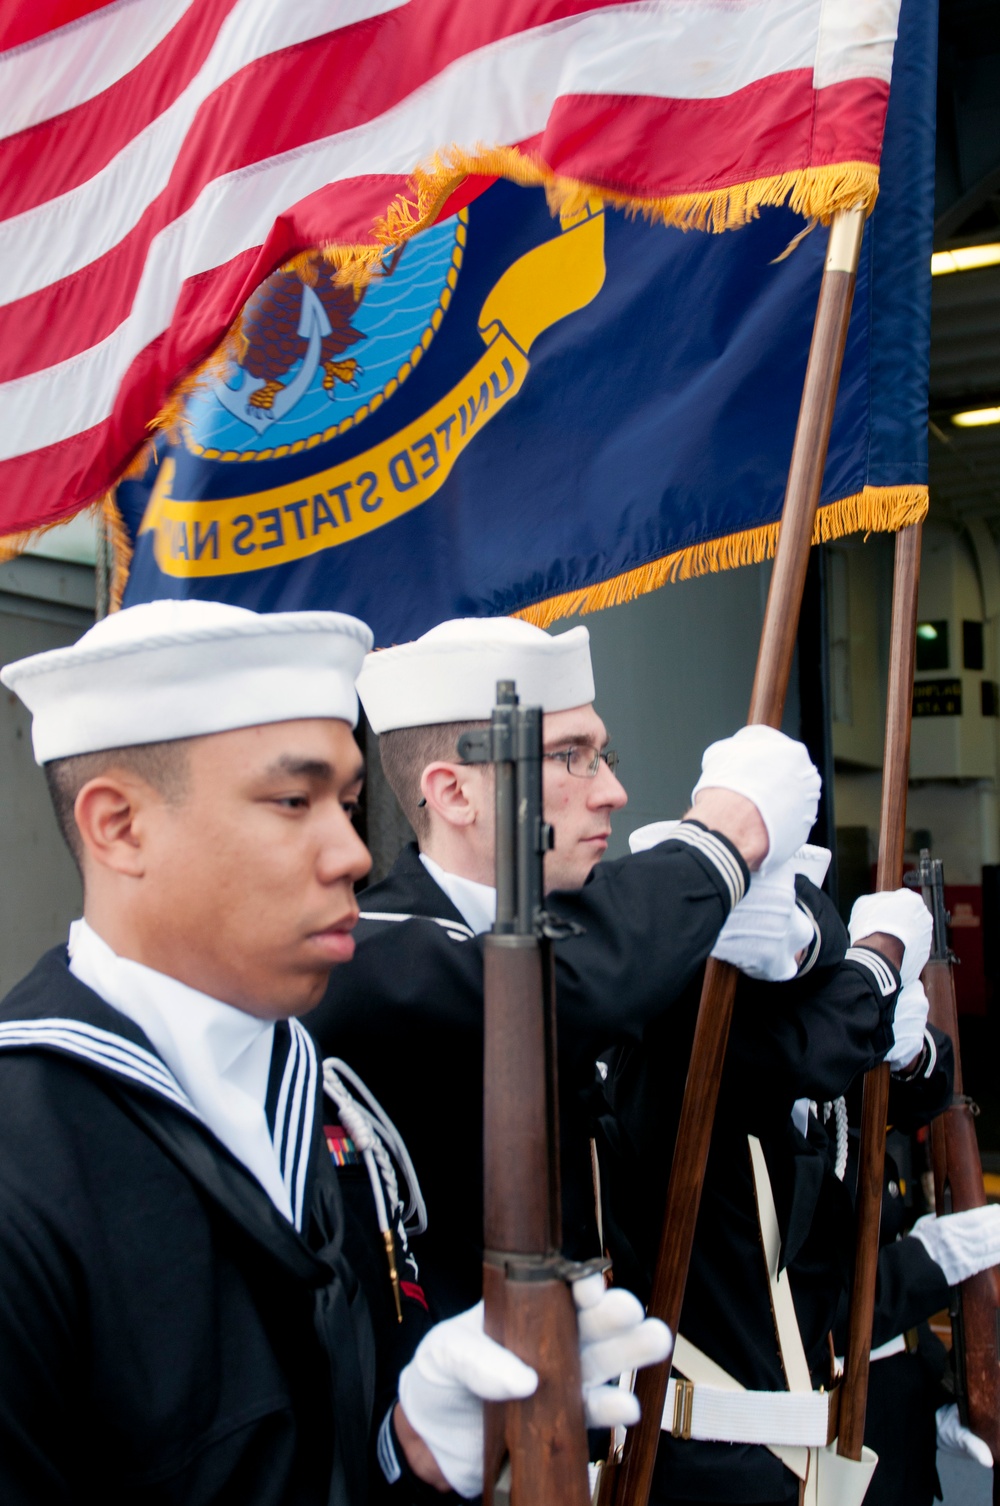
[630, 1484]
[529, 1306]
[958, 1185]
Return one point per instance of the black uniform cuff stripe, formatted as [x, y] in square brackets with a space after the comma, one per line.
[816, 946]
[720, 854]
[386, 1449]
[881, 970]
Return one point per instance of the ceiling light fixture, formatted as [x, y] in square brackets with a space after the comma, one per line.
[975, 417]
[965, 259]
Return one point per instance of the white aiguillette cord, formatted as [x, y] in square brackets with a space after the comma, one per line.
[378, 1142]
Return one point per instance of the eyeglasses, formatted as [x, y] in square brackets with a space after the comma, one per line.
[583, 761]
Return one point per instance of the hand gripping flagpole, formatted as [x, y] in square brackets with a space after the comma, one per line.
[875, 1102]
[774, 664]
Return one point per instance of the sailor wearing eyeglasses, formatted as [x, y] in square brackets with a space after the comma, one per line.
[407, 1011]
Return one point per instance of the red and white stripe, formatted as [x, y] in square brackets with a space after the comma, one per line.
[159, 158]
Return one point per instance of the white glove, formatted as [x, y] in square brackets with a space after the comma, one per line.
[909, 1021]
[442, 1389]
[774, 772]
[900, 913]
[813, 862]
[615, 1337]
[457, 1367]
[962, 1244]
[953, 1438]
[765, 932]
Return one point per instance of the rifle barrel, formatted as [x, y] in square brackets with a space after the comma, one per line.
[529, 1306]
[958, 1185]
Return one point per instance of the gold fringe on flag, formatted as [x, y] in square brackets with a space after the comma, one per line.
[816, 193]
[121, 550]
[877, 509]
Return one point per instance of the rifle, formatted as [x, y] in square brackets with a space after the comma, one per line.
[958, 1184]
[529, 1306]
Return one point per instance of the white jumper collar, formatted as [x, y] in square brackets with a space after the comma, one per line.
[220, 1056]
[476, 903]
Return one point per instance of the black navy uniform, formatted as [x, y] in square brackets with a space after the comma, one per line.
[807, 1038]
[166, 1336]
[407, 1014]
[905, 1389]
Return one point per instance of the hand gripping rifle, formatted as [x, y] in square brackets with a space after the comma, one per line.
[529, 1306]
[958, 1184]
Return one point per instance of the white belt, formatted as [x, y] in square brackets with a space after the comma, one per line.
[883, 1352]
[709, 1413]
[799, 1424]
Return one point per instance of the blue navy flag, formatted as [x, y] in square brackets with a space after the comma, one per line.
[538, 414]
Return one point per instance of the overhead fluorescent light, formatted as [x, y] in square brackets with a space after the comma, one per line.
[974, 417]
[965, 259]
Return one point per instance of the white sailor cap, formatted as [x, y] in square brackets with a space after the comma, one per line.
[172, 669]
[451, 673]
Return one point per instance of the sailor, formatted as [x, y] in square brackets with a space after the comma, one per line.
[187, 1310]
[650, 921]
[774, 1241]
[909, 1413]
[408, 1011]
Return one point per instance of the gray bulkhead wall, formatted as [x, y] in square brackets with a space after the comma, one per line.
[43, 604]
[673, 671]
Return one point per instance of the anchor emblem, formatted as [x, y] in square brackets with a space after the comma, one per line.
[289, 320]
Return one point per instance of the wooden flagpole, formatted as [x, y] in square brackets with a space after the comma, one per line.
[875, 1102]
[630, 1485]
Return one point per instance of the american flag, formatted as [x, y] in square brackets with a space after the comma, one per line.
[160, 158]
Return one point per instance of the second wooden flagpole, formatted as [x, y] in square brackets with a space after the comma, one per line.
[630, 1485]
[875, 1102]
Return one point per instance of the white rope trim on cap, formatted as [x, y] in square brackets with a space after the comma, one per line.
[718, 854]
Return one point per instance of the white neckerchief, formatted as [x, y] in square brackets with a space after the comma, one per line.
[220, 1055]
[476, 903]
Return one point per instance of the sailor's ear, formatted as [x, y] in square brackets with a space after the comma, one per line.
[109, 812]
[451, 794]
